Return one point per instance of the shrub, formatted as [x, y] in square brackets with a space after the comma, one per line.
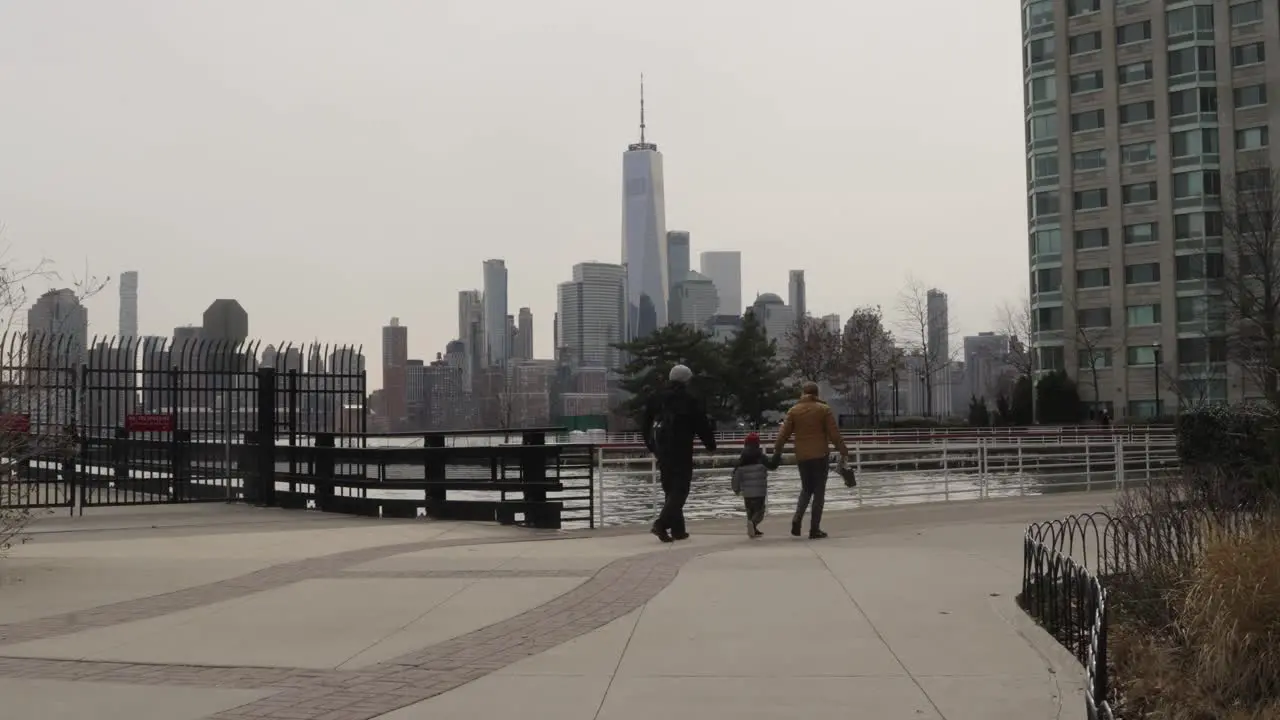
[1229, 454]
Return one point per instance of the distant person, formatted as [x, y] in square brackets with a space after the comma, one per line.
[813, 424]
[671, 421]
[751, 481]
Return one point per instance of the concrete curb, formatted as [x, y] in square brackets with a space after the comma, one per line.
[1069, 676]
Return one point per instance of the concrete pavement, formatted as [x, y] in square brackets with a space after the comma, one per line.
[232, 613]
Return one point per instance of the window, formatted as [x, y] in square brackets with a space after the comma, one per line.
[1094, 199]
[1138, 152]
[1098, 359]
[1137, 112]
[1133, 32]
[1193, 100]
[1250, 54]
[1139, 233]
[1144, 409]
[1046, 242]
[1198, 58]
[1047, 319]
[1258, 179]
[1085, 42]
[1198, 267]
[1093, 317]
[1089, 160]
[1142, 315]
[1082, 7]
[1139, 193]
[1092, 239]
[1042, 127]
[1093, 278]
[1087, 120]
[1188, 143]
[1202, 350]
[1197, 183]
[1040, 50]
[1044, 203]
[1135, 72]
[1250, 96]
[1086, 81]
[1043, 88]
[1053, 358]
[1141, 273]
[1189, 19]
[1247, 12]
[1197, 225]
[1193, 309]
[1140, 355]
[1048, 280]
[1043, 166]
[1252, 138]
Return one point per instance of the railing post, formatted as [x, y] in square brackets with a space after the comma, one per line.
[1120, 462]
[1022, 478]
[435, 471]
[265, 477]
[322, 487]
[982, 469]
[946, 475]
[599, 498]
[1147, 444]
[1088, 469]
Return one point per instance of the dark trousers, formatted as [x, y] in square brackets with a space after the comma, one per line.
[813, 486]
[676, 481]
[755, 509]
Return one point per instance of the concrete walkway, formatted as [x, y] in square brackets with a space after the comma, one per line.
[233, 613]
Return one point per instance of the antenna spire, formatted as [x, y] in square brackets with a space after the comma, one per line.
[641, 108]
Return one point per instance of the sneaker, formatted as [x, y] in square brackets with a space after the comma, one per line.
[751, 528]
[795, 528]
[816, 534]
[661, 534]
[680, 536]
[757, 529]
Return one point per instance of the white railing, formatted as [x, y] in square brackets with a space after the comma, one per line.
[628, 490]
[1044, 433]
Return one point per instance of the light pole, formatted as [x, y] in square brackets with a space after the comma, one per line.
[893, 371]
[1155, 377]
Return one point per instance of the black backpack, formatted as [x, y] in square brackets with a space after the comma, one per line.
[664, 429]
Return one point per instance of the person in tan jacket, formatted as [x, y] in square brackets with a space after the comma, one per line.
[813, 425]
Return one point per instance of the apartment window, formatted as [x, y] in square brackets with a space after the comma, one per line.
[1094, 199]
[1137, 112]
[1142, 315]
[1138, 152]
[1086, 81]
[1048, 279]
[1187, 143]
[1197, 225]
[1250, 54]
[1043, 88]
[1040, 50]
[1044, 203]
[1139, 233]
[1141, 273]
[1092, 238]
[1197, 183]
[1087, 120]
[1093, 317]
[1089, 160]
[1193, 309]
[1048, 319]
[1257, 179]
[1093, 278]
[1250, 95]
[1046, 242]
[1082, 7]
[1247, 12]
[1138, 193]
[1135, 72]
[1085, 42]
[1140, 355]
[1098, 359]
[1198, 267]
[1193, 100]
[1252, 138]
[1198, 58]
[1133, 32]
[1202, 350]
[1037, 14]
[1043, 166]
[1189, 19]
[1042, 127]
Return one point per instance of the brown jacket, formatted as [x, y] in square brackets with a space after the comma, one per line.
[814, 425]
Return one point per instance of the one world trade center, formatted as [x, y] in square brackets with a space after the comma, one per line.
[644, 232]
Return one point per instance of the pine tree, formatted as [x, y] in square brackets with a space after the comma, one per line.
[651, 358]
[755, 377]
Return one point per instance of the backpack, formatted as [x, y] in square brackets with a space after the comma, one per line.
[664, 430]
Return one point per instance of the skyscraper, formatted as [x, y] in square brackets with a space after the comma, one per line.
[471, 332]
[693, 300]
[496, 348]
[776, 319]
[725, 270]
[129, 304]
[59, 330]
[591, 315]
[395, 364]
[225, 322]
[644, 229]
[938, 329]
[796, 294]
[677, 265]
[524, 335]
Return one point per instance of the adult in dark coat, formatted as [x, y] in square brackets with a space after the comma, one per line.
[671, 422]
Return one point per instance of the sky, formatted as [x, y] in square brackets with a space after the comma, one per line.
[334, 164]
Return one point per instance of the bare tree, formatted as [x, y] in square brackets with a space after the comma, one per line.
[1093, 344]
[814, 350]
[927, 332]
[1250, 273]
[1018, 321]
[866, 358]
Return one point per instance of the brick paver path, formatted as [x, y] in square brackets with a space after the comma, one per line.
[307, 694]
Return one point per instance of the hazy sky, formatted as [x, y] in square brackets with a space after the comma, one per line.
[334, 164]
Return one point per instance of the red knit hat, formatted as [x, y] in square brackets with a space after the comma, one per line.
[753, 438]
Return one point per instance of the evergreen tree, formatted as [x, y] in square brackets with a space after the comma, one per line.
[651, 358]
[755, 377]
[1058, 399]
[979, 416]
[1004, 411]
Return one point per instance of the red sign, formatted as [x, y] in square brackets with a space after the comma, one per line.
[148, 423]
[15, 423]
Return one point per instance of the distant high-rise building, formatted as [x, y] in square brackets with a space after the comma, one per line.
[775, 317]
[58, 326]
[225, 322]
[128, 304]
[725, 270]
[157, 385]
[677, 266]
[985, 362]
[938, 329]
[644, 229]
[113, 393]
[723, 327]
[524, 335]
[832, 323]
[796, 293]
[415, 393]
[497, 348]
[395, 363]
[694, 300]
[592, 315]
[471, 332]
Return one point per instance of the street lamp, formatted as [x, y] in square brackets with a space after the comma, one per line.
[1155, 376]
[893, 371]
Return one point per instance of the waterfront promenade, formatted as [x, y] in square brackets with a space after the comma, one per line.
[232, 613]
